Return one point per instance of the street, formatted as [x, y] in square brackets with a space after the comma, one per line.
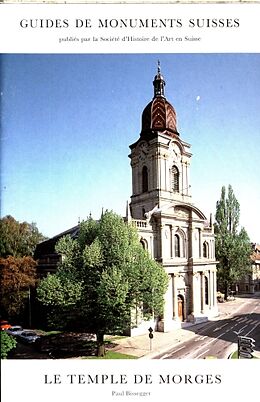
[218, 338]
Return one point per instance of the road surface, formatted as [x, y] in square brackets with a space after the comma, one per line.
[219, 338]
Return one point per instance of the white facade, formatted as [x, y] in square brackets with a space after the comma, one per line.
[176, 233]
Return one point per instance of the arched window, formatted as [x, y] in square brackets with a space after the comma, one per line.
[205, 250]
[144, 243]
[175, 179]
[145, 179]
[177, 245]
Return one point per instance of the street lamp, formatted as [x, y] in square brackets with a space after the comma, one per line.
[29, 307]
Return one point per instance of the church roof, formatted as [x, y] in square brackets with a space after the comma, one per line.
[159, 114]
[48, 246]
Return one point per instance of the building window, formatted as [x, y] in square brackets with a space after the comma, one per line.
[206, 290]
[177, 245]
[144, 244]
[175, 179]
[145, 179]
[205, 250]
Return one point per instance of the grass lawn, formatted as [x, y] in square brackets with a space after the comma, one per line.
[112, 355]
[63, 345]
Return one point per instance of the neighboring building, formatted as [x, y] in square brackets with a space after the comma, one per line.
[46, 255]
[174, 231]
[251, 282]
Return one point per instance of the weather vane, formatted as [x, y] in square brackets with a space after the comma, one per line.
[159, 67]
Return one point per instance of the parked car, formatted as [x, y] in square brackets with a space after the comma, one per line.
[27, 336]
[220, 297]
[14, 330]
[4, 325]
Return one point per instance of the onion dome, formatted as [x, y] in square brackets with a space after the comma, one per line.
[159, 114]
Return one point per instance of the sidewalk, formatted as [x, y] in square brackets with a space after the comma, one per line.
[139, 346]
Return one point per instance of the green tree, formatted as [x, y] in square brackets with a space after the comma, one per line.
[18, 239]
[60, 294]
[112, 276]
[7, 344]
[233, 248]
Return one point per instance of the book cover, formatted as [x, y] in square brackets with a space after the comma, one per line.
[76, 81]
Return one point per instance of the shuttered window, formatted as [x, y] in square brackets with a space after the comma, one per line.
[175, 179]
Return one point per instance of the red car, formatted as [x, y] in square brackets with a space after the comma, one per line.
[4, 325]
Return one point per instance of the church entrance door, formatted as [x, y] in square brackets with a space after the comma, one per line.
[180, 307]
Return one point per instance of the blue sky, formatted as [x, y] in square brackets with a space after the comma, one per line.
[68, 121]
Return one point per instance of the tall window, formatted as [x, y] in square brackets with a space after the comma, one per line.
[205, 250]
[175, 179]
[145, 179]
[206, 290]
[177, 245]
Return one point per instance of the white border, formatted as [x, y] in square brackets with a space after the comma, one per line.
[24, 380]
[241, 39]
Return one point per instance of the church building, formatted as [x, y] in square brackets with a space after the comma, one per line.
[174, 231]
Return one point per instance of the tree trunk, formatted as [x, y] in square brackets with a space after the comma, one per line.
[226, 291]
[101, 351]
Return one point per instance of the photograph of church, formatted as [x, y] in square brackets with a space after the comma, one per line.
[171, 227]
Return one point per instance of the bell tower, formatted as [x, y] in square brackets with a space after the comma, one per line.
[160, 160]
[174, 231]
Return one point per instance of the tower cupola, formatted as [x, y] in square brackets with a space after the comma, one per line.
[159, 114]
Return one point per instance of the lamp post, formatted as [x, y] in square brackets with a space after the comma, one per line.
[150, 336]
[29, 308]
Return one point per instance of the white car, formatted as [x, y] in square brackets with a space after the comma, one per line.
[14, 330]
[27, 336]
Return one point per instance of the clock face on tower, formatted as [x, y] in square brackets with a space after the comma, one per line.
[143, 150]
